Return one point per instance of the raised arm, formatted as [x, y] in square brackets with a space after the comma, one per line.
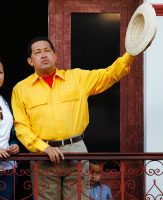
[97, 81]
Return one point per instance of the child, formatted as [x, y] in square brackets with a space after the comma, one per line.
[98, 191]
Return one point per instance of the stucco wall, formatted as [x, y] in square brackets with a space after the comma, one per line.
[153, 92]
[154, 1]
[153, 104]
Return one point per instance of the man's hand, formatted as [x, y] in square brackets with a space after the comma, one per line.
[54, 154]
[14, 149]
[4, 153]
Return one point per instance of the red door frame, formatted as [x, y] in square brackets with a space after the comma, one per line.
[131, 86]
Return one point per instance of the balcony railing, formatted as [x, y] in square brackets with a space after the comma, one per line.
[130, 176]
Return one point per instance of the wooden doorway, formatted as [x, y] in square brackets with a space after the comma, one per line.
[131, 86]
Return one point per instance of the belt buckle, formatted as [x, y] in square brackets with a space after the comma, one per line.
[71, 140]
[63, 143]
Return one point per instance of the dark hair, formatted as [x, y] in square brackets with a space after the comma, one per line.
[95, 162]
[36, 39]
[5, 90]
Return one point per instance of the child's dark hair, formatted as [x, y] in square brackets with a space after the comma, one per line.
[98, 162]
[37, 39]
[5, 90]
[95, 162]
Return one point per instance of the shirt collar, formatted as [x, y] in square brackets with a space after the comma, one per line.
[59, 73]
[97, 184]
[35, 77]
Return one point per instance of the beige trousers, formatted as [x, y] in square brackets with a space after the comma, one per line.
[61, 181]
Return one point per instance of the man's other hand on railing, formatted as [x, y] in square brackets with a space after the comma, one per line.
[54, 154]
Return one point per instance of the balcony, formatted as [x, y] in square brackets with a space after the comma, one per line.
[130, 176]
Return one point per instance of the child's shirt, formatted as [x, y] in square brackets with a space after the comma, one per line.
[5, 128]
[100, 192]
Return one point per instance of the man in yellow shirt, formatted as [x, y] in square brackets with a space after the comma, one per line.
[51, 110]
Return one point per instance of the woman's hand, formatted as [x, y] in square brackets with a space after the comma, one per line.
[14, 149]
[4, 153]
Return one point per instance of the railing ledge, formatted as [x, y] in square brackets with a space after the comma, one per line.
[91, 156]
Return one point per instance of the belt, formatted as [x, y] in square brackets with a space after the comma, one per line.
[57, 143]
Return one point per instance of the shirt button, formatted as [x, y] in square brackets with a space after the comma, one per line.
[59, 131]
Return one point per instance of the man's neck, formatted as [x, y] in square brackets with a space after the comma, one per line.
[47, 73]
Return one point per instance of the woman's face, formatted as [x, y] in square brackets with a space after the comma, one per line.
[1, 75]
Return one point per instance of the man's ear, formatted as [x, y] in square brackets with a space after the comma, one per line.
[29, 60]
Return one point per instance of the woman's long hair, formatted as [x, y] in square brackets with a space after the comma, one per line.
[5, 90]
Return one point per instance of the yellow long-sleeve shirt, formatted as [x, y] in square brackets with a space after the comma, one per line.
[44, 113]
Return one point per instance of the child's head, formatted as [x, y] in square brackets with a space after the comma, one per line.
[95, 172]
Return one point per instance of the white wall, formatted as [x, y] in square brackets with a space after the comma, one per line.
[154, 1]
[153, 92]
[153, 106]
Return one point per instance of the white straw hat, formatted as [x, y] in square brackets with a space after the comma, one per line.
[141, 29]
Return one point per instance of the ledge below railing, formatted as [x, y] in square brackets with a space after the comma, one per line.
[92, 156]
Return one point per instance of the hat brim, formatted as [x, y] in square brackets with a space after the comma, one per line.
[141, 29]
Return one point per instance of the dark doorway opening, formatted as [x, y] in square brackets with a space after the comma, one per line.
[20, 22]
[95, 40]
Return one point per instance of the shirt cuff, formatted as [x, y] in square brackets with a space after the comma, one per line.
[127, 58]
[42, 146]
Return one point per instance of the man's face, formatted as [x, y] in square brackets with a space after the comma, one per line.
[43, 58]
[1, 74]
[94, 173]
